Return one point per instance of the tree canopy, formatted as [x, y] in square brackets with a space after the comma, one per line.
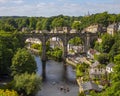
[47, 23]
[23, 62]
[27, 84]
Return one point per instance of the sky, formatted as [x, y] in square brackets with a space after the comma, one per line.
[49, 8]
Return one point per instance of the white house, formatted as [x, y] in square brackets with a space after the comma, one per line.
[112, 29]
[91, 53]
[109, 67]
[96, 70]
[118, 26]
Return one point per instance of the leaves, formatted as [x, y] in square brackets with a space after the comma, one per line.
[23, 62]
[8, 93]
[30, 83]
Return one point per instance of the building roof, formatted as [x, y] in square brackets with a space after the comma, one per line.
[90, 86]
[95, 64]
[112, 25]
[110, 65]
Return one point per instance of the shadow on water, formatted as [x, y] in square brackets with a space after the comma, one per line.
[57, 75]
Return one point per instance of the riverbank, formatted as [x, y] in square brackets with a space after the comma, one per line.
[71, 63]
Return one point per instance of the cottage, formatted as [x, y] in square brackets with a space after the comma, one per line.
[91, 53]
[96, 70]
[112, 29]
[109, 67]
[73, 31]
[88, 86]
[118, 26]
[66, 29]
[24, 29]
[62, 30]
[94, 28]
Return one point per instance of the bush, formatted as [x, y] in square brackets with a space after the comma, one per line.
[8, 93]
[27, 83]
[23, 62]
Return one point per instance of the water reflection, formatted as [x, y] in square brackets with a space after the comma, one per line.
[57, 77]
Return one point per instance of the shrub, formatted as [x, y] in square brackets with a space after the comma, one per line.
[8, 93]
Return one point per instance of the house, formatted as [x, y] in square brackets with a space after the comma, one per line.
[91, 53]
[118, 26]
[94, 28]
[62, 30]
[88, 86]
[24, 29]
[96, 70]
[73, 31]
[75, 49]
[99, 40]
[66, 29]
[112, 29]
[109, 67]
[104, 29]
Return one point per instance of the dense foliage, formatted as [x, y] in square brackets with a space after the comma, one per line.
[8, 93]
[109, 48]
[55, 53]
[38, 47]
[9, 43]
[27, 83]
[75, 41]
[114, 89]
[81, 70]
[48, 23]
[23, 62]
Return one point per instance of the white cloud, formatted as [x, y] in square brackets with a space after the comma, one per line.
[50, 9]
[18, 1]
[11, 1]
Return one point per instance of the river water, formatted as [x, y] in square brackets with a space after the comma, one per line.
[58, 81]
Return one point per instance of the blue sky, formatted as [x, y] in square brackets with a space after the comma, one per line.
[56, 7]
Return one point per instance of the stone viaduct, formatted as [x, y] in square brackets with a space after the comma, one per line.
[86, 37]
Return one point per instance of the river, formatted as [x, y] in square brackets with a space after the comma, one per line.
[58, 81]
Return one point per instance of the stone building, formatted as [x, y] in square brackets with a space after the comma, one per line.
[96, 70]
[62, 30]
[109, 67]
[24, 29]
[119, 26]
[112, 29]
[94, 28]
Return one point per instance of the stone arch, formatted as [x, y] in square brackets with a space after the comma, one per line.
[33, 40]
[55, 35]
[76, 48]
[57, 41]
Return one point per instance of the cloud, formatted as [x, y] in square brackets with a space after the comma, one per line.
[55, 8]
[18, 1]
[11, 1]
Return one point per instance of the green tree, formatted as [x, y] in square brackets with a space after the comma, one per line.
[75, 41]
[23, 62]
[39, 25]
[80, 70]
[76, 25]
[102, 18]
[107, 43]
[8, 45]
[32, 23]
[115, 50]
[102, 58]
[114, 89]
[28, 84]
[8, 93]
[59, 22]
